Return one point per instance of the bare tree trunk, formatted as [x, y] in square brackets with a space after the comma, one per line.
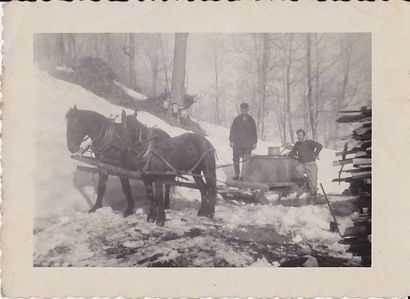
[108, 49]
[281, 117]
[288, 83]
[224, 110]
[284, 121]
[317, 88]
[131, 65]
[178, 70]
[309, 83]
[60, 50]
[216, 87]
[72, 49]
[347, 55]
[155, 71]
[339, 105]
[164, 62]
[305, 107]
[262, 77]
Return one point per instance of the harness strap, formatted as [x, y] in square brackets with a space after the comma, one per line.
[145, 152]
[163, 160]
[200, 160]
[100, 146]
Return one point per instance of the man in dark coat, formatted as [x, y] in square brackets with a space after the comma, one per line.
[243, 137]
[306, 152]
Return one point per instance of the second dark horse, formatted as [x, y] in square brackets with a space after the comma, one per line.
[161, 158]
[106, 145]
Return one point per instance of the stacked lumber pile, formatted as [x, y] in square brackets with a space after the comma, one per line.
[355, 169]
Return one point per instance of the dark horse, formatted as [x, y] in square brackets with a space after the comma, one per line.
[105, 136]
[161, 158]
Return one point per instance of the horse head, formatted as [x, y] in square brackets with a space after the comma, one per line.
[131, 130]
[75, 129]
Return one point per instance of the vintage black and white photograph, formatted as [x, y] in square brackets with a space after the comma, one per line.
[202, 149]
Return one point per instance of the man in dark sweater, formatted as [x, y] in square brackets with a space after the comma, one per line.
[306, 152]
[243, 137]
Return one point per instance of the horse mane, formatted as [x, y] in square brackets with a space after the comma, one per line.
[72, 111]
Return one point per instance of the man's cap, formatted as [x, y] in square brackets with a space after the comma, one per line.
[244, 106]
[300, 131]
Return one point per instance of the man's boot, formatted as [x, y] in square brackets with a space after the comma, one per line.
[236, 169]
[313, 199]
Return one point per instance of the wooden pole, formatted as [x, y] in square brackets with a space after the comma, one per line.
[331, 210]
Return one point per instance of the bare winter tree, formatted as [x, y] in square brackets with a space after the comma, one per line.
[217, 56]
[152, 52]
[309, 85]
[178, 70]
[130, 52]
[166, 66]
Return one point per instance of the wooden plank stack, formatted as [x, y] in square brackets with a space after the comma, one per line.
[356, 169]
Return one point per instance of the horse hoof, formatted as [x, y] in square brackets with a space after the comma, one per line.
[93, 209]
[160, 222]
[201, 212]
[151, 218]
[128, 213]
[210, 216]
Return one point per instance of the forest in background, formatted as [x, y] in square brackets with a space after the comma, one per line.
[290, 80]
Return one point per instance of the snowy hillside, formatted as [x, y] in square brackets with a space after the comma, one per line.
[240, 235]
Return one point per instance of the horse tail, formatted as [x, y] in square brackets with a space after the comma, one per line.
[210, 164]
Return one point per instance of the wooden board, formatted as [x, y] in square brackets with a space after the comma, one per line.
[348, 152]
[363, 175]
[133, 175]
[356, 170]
[366, 176]
[342, 162]
[353, 119]
[363, 150]
[362, 160]
[362, 131]
[107, 168]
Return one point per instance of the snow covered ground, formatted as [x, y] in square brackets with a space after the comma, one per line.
[240, 235]
[132, 93]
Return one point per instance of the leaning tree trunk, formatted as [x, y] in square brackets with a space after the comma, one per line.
[178, 70]
[309, 83]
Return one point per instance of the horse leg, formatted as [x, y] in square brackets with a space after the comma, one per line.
[204, 200]
[125, 183]
[152, 214]
[210, 185]
[166, 199]
[102, 179]
[159, 198]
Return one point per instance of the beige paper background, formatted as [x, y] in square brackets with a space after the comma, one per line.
[389, 23]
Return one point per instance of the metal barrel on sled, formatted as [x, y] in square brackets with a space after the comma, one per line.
[262, 175]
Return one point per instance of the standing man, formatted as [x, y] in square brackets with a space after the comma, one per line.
[243, 137]
[306, 152]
